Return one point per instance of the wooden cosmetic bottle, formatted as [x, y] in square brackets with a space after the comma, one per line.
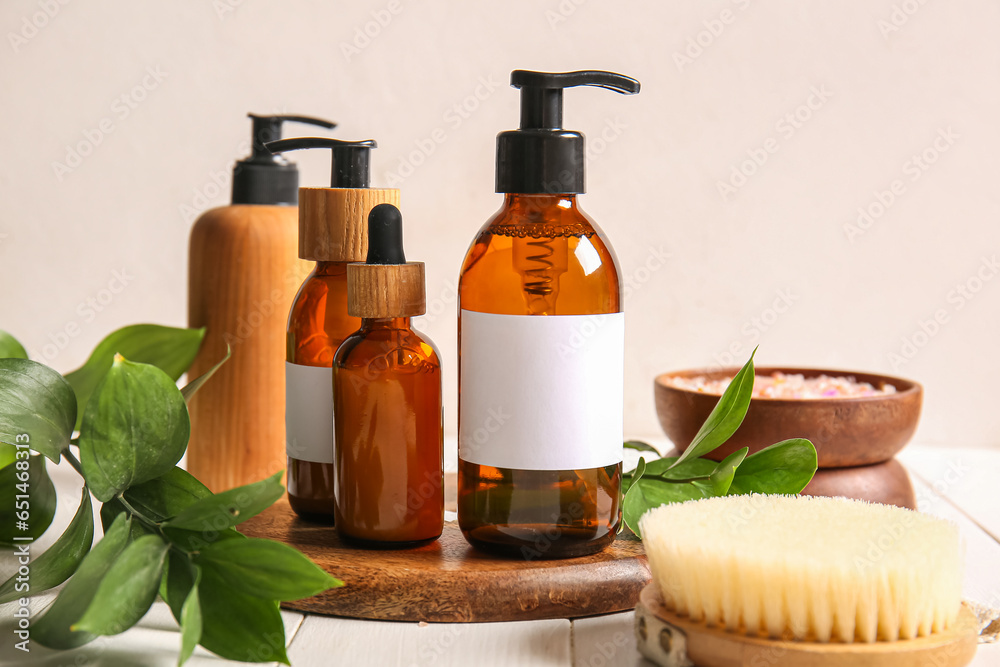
[243, 271]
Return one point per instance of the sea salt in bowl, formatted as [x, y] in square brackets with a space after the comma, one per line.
[849, 423]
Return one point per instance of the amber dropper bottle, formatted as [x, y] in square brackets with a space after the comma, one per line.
[541, 341]
[387, 401]
[333, 233]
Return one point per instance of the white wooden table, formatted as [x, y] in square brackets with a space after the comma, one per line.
[962, 485]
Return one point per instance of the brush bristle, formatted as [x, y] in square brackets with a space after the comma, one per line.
[807, 568]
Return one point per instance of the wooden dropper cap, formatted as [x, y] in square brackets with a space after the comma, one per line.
[333, 221]
[386, 285]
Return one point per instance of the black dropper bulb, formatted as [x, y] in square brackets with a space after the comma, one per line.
[350, 168]
[264, 178]
[542, 157]
[385, 236]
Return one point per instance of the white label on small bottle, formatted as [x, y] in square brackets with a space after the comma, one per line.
[309, 412]
[542, 392]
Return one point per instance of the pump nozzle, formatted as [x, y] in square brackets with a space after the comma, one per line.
[541, 92]
[262, 178]
[541, 156]
[350, 158]
[268, 128]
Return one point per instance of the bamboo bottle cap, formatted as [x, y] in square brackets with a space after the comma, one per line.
[386, 285]
[332, 221]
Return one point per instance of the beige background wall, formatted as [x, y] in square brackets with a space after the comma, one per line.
[841, 105]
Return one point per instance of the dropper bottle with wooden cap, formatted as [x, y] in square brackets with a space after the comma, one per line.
[387, 401]
[333, 233]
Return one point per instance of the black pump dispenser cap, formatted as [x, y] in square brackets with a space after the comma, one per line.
[541, 157]
[263, 178]
[350, 158]
[385, 236]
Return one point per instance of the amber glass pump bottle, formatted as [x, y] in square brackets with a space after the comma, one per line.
[333, 233]
[387, 401]
[541, 346]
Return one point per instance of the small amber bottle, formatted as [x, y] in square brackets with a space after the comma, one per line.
[387, 401]
[332, 232]
[541, 347]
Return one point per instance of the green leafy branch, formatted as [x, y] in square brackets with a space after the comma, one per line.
[785, 467]
[165, 533]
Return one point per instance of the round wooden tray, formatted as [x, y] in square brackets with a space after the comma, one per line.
[449, 581]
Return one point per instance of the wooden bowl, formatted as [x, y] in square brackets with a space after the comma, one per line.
[887, 483]
[846, 431]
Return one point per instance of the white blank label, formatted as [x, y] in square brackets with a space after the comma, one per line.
[542, 392]
[309, 413]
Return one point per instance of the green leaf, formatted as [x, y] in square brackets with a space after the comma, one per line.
[36, 406]
[179, 574]
[190, 622]
[634, 505]
[52, 629]
[266, 569]
[650, 491]
[194, 385]
[229, 508]
[691, 468]
[165, 496]
[640, 470]
[641, 446]
[26, 494]
[60, 560]
[110, 511]
[238, 626]
[10, 348]
[8, 454]
[128, 589]
[726, 416]
[722, 477]
[169, 349]
[135, 428]
[162, 498]
[234, 625]
[785, 467]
